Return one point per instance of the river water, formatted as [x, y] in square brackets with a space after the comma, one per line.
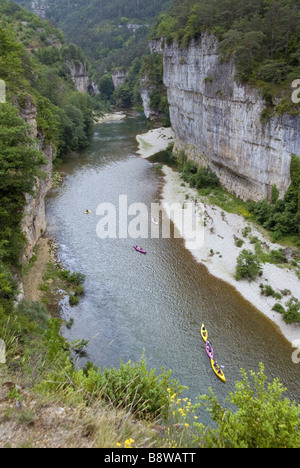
[155, 303]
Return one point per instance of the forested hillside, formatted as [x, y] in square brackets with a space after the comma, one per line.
[112, 34]
[38, 82]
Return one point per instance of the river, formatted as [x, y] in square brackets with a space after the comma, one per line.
[155, 303]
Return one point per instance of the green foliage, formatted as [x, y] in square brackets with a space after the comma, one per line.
[106, 87]
[278, 308]
[239, 242]
[35, 312]
[19, 166]
[257, 416]
[112, 34]
[7, 285]
[57, 347]
[41, 74]
[152, 79]
[262, 36]
[248, 266]
[282, 217]
[37, 80]
[199, 177]
[267, 290]
[292, 313]
[132, 387]
[205, 177]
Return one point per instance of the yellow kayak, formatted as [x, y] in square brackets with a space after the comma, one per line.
[217, 370]
[204, 333]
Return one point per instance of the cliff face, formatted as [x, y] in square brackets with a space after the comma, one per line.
[145, 89]
[34, 218]
[217, 122]
[79, 75]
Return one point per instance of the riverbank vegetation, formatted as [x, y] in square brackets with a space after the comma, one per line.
[256, 249]
[46, 402]
[39, 89]
[280, 217]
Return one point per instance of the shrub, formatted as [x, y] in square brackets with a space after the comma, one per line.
[278, 308]
[73, 300]
[34, 311]
[254, 415]
[132, 387]
[292, 314]
[205, 177]
[248, 266]
[239, 242]
[268, 291]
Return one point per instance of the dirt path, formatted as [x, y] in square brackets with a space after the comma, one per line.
[34, 277]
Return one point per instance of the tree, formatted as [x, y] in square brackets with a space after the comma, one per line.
[248, 266]
[19, 167]
[106, 87]
[258, 416]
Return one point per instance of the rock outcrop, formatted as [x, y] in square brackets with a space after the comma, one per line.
[34, 218]
[79, 74]
[146, 88]
[118, 77]
[217, 121]
[39, 7]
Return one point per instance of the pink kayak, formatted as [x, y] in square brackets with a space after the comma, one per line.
[139, 249]
[209, 350]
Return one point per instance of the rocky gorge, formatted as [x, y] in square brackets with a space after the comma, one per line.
[217, 121]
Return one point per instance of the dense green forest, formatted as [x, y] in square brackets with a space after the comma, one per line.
[112, 34]
[33, 66]
[262, 36]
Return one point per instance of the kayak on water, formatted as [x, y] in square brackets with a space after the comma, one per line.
[217, 370]
[209, 350]
[139, 249]
[204, 333]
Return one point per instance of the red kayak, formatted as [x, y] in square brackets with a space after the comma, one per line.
[139, 249]
[209, 350]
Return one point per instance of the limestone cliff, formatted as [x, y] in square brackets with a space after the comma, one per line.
[34, 219]
[39, 7]
[79, 74]
[217, 121]
[146, 88]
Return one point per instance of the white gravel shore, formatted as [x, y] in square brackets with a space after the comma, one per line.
[219, 251]
[154, 141]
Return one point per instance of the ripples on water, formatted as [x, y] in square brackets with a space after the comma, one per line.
[155, 302]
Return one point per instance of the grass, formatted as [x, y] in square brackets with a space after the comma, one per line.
[144, 144]
[56, 278]
[226, 201]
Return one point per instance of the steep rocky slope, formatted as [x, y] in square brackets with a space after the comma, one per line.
[217, 121]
